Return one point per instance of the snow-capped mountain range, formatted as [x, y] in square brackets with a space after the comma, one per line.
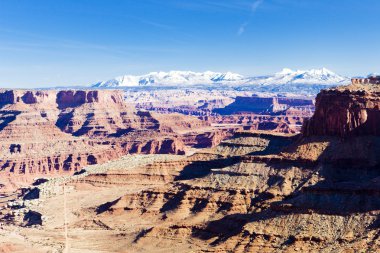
[172, 78]
[321, 76]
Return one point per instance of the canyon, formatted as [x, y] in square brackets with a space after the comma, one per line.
[253, 191]
[55, 132]
[203, 126]
[250, 111]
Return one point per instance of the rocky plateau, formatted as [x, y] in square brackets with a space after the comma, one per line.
[246, 190]
[56, 132]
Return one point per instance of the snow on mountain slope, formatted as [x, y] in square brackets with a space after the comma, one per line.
[185, 78]
[321, 76]
[172, 78]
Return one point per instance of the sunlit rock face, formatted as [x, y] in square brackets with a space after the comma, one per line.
[52, 131]
[254, 192]
[344, 112]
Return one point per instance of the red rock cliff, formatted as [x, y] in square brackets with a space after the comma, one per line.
[52, 131]
[345, 111]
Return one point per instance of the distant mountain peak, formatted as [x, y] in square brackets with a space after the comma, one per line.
[322, 76]
[174, 77]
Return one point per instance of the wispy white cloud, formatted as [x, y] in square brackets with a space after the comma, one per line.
[156, 24]
[37, 43]
[241, 29]
[254, 7]
[209, 5]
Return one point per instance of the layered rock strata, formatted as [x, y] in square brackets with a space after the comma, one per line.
[256, 192]
[313, 192]
[52, 131]
[266, 105]
[344, 112]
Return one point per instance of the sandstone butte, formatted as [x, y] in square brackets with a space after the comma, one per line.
[317, 191]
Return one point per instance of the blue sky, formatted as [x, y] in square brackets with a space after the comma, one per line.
[76, 42]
